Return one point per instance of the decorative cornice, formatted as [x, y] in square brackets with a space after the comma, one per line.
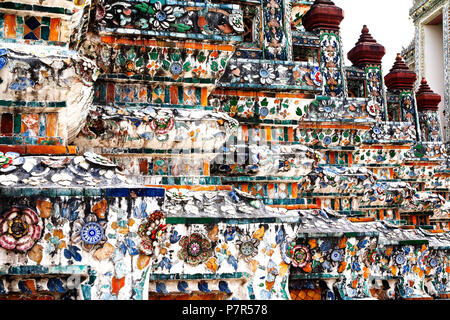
[422, 7]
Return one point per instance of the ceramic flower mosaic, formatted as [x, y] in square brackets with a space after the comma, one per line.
[195, 249]
[20, 229]
[89, 232]
[151, 232]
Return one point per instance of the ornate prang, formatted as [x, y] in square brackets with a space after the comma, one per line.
[400, 76]
[366, 50]
[324, 14]
[426, 98]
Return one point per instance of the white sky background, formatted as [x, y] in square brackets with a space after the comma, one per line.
[388, 22]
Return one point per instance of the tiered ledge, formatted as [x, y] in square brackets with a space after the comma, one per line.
[173, 19]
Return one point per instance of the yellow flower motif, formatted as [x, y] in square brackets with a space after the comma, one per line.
[259, 234]
[283, 268]
[211, 264]
[123, 230]
[318, 257]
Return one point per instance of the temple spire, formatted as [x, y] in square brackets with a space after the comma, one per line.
[324, 14]
[400, 76]
[426, 98]
[366, 50]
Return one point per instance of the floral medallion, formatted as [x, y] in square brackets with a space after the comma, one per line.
[151, 231]
[248, 248]
[336, 255]
[400, 259]
[176, 68]
[327, 109]
[162, 125]
[195, 249]
[373, 108]
[371, 255]
[236, 21]
[266, 74]
[296, 255]
[162, 17]
[20, 228]
[89, 231]
[130, 61]
[300, 256]
[432, 262]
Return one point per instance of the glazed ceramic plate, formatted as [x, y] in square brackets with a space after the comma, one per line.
[100, 160]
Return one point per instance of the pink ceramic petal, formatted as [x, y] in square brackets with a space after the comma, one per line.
[34, 232]
[30, 213]
[24, 243]
[12, 214]
[27, 219]
[7, 241]
[30, 231]
[24, 240]
[4, 226]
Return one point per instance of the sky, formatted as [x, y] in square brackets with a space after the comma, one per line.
[388, 22]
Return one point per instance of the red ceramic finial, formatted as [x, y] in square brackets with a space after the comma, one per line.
[399, 64]
[365, 30]
[400, 77]
[365, 36]
[366, 50]
[426, 98]
[323, 14]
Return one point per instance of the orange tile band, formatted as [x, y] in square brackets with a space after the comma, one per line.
[295, 206]
[45, 149]
[193, 188]
[367, 219]
[309, 125]
[155, 43]
[385, 147]
[421, 163]
[436, 231]
[261, 94]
